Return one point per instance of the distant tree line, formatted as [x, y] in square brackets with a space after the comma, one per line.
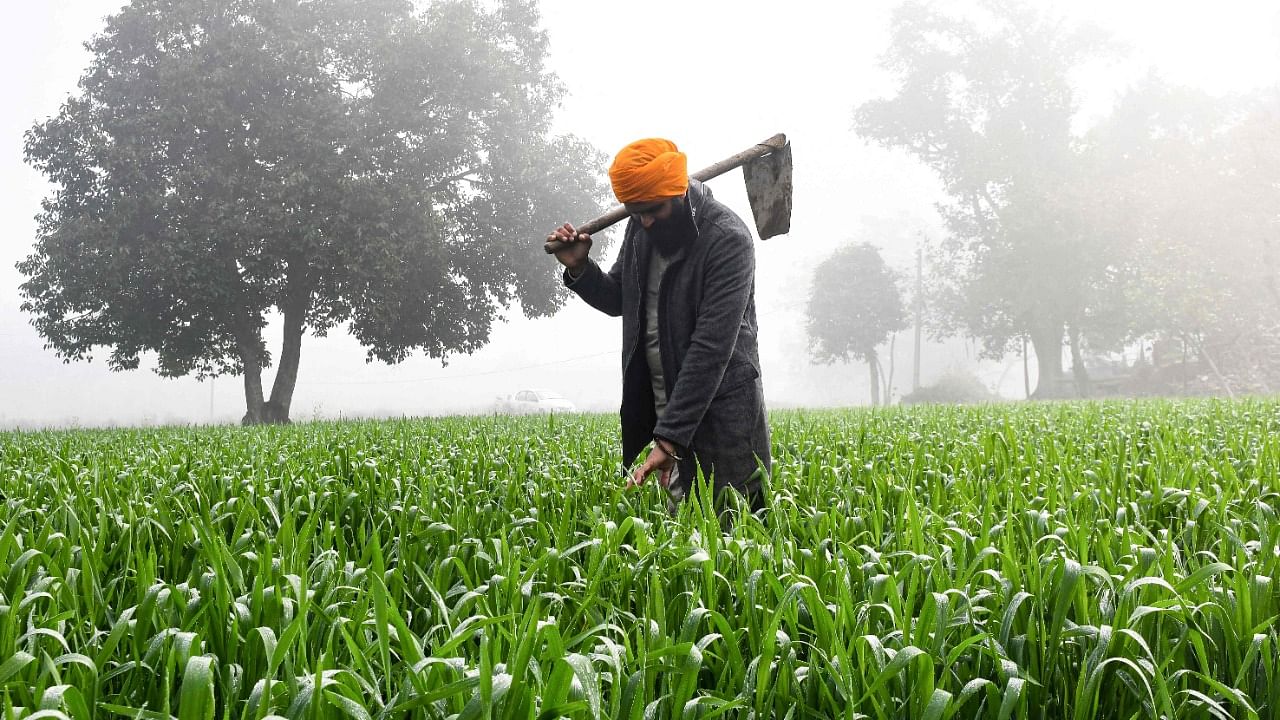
[382, 167]
[1156, 227]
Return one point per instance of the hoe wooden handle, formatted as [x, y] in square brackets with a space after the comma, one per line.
[617, 213]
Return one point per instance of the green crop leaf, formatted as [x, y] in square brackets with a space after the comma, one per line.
[196, 698]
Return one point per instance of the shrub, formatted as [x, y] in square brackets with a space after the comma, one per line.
[959, 388]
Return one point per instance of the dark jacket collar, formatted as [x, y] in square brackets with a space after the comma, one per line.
[697, 199]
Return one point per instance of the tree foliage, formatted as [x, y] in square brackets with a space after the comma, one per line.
[854, 306]
[1196, 195]
[986, 101]
[332, 161]
[1157, 223]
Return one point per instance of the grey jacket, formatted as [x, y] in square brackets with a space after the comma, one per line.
[710, 360]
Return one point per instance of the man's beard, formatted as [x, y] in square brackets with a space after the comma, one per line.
[675, 232]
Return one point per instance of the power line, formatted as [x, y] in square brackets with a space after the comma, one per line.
[458, 377]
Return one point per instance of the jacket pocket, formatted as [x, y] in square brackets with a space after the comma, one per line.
[738, 373]
[726, 443]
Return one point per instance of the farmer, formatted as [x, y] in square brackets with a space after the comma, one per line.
[684, 284]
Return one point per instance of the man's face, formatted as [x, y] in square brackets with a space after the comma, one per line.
[665, 221]
[655, 211]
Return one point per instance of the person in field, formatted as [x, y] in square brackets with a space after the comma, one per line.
[684, 285]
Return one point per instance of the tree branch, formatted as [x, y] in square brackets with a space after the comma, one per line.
[455, 178]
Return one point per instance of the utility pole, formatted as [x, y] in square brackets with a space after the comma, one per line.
[918, 302]
[211, 400]
[1026, 369]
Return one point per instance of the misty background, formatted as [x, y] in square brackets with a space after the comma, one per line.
[743, 71]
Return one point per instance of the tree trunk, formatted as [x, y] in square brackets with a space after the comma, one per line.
[1078, 371]
[277, 408]
[1047, 342]
[1026, 371]
[893, 356]
[873, 362]
[251, 366]
[917, 302]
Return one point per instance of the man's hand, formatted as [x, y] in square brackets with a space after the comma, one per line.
[659, 461]
[574, 255]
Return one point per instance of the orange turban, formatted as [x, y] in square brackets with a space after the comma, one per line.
[649, 169]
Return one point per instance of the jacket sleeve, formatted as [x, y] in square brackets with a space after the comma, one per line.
[727, 286]
[601, 290]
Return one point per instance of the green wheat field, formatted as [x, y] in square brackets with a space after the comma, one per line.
[1102, 560]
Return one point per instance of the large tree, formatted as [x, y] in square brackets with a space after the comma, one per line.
[854, 305]
[325, 161]
[1193, 186]
[985, 100]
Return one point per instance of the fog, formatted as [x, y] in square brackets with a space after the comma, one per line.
[734, 73]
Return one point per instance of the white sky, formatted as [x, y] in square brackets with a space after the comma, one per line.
[741, 72]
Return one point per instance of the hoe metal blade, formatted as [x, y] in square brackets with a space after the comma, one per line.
[768, 180]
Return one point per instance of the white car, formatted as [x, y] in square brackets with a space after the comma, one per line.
[529, 402]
